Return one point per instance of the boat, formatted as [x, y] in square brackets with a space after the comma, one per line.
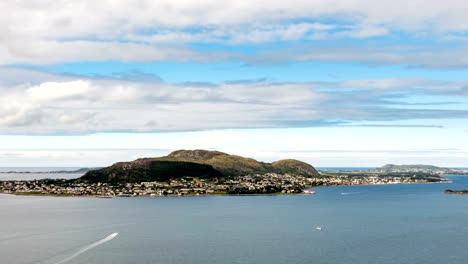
[309, 192]
[318, 228]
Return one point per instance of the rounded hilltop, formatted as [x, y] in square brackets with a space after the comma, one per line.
[199, 154]
[229, 165]
[294, 166]
[196, 163]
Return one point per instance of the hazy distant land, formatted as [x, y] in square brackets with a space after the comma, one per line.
[456, 191]
[77, 171]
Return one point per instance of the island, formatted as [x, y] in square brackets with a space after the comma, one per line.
[203, 172]
[77, 171]
[456, 191]
[421, 168]
[427, 173]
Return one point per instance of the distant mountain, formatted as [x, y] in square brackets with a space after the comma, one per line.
[414, 168]
[81, 170]
[195, 163]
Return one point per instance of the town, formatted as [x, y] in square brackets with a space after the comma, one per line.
[268, 183]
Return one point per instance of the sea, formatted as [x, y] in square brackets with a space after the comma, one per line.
[385, 224]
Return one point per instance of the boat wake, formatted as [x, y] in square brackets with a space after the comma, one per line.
[89, 247]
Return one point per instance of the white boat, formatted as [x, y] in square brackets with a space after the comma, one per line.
[309, 192]
[318, 228]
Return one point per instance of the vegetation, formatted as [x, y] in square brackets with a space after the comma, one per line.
[150, 171]
[196, 163]
[228, 165]
[294, 166]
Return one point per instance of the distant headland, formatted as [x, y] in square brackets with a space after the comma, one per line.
[77, 171]
[456, 191]
[203, 172]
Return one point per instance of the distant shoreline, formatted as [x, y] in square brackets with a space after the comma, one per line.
[35, 194]
[462, 192]
[76, 171]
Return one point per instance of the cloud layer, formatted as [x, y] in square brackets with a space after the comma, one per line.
[45, 103]
[335, 100]
[48, 32]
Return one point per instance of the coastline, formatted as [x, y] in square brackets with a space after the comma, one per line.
[65, 195]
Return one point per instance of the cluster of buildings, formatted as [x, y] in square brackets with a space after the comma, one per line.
[268, 183]
[260, 183]
[418, 169]
[251, 184]
[364, 180]
[55, 187]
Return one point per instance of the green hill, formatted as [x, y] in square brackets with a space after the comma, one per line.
[294, 167]
[195, 163]
[229, 165]
[413, 168]
[151, 170]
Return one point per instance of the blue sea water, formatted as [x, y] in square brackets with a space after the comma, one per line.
[387, 224]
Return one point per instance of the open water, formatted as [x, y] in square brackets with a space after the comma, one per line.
[384, 224]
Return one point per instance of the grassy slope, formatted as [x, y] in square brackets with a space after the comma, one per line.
[197, 163]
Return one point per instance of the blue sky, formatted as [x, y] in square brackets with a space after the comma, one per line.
[334, 83]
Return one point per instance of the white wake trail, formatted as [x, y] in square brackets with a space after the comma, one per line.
[88, 247]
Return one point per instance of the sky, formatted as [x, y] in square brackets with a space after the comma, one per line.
[335, 83]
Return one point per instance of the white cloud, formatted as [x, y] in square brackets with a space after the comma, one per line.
[364, 32]
[412, 56]
[243, 34]
[372, 54]
[42, 32]
[51, 51]
[398, 83]
[111, 18]
[86, 105]
[58, 90]
[67, 104]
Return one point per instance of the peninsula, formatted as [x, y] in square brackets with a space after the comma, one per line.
[456, 191]
[203, 172]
